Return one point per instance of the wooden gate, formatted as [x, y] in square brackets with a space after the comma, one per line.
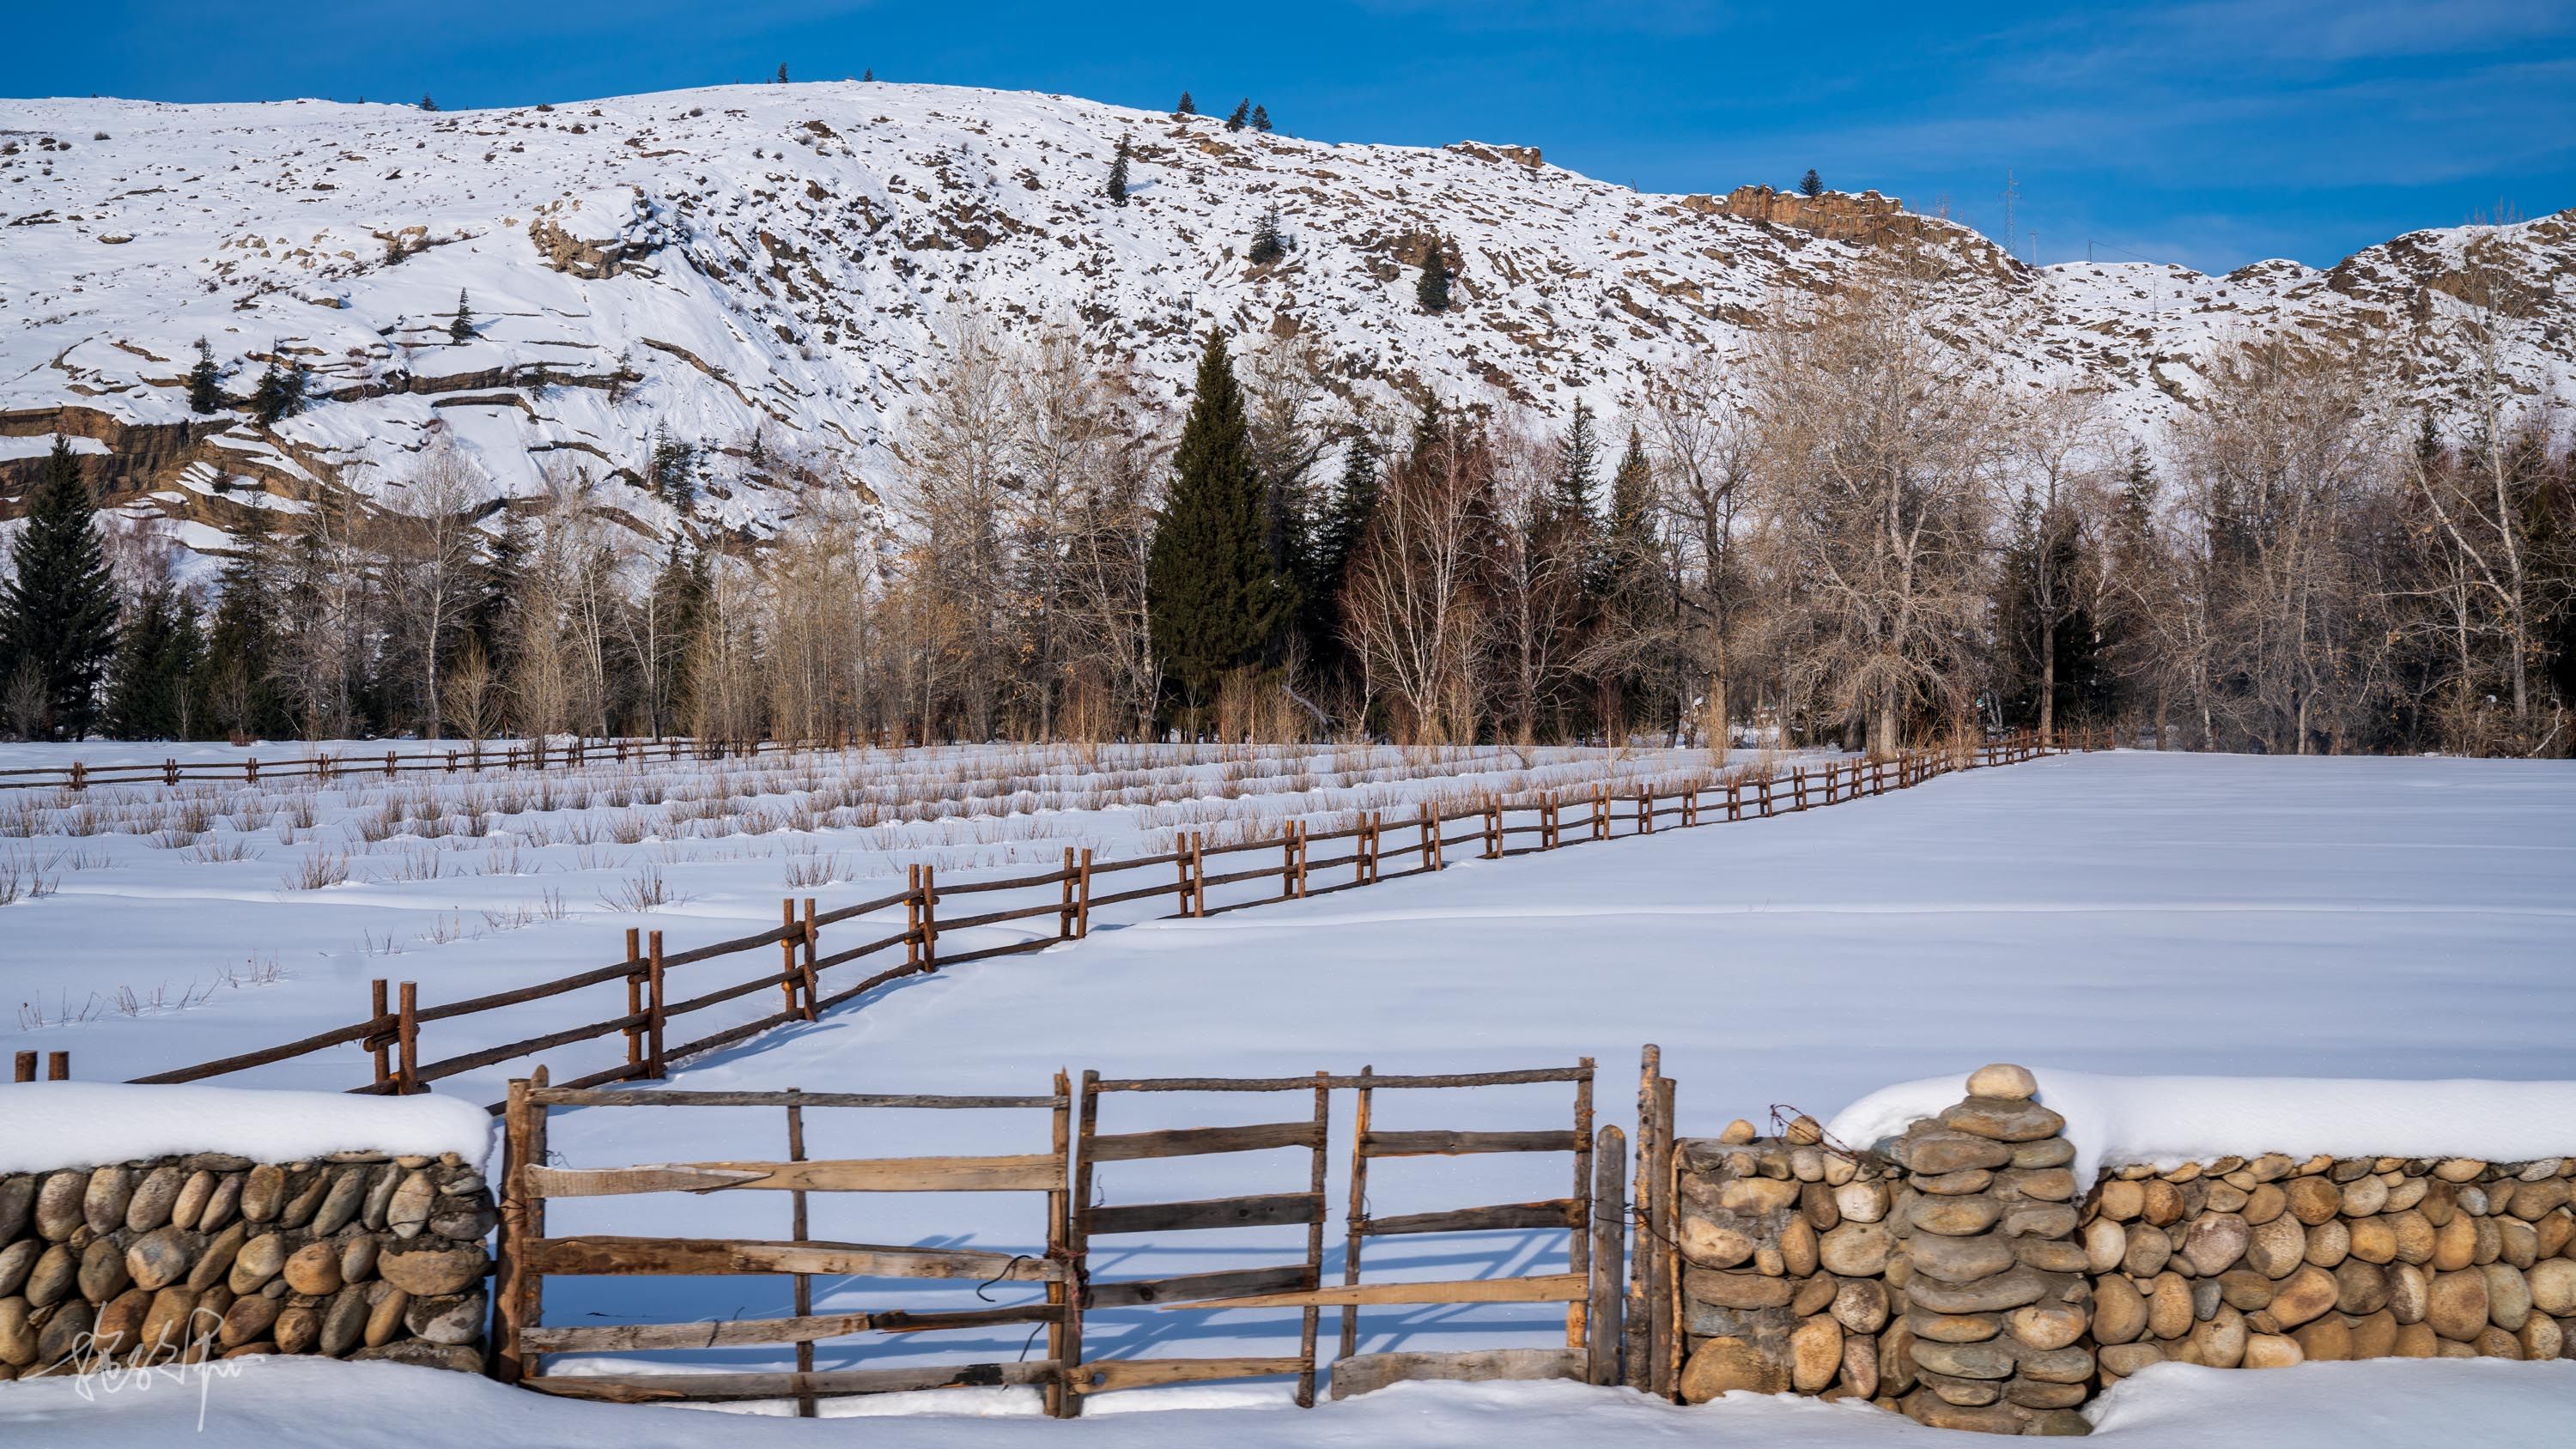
[1231, 1288]
[529, 1256]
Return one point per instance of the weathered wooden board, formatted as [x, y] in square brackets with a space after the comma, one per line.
[1199, 1141]
[1560, 1212]
[1458, 1144]
[637, 1337]
[1367, 1372]
[588, 1256]
[1268, 1210]
[1547, 1288]
[718, 1388]
[1199, 1287]
[1135, 1373]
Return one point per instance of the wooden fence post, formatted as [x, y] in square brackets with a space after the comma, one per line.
[930, 918]
[407, 1040]
[24, 1069]
[1181, 873]
[1198, 874]
[170, 772]
[634, 1000]
[797, 1231]
[653, 1013]
[1082, 897]
[813, 945]
[79, 773]
[376, 1014]
[1602, 1329]
[787, 974]
[912, 915]
[1064, 914]
[58, 1066]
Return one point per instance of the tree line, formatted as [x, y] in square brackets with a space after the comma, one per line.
[1851, 532]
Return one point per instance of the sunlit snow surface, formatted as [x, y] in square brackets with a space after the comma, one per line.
[2126, 913]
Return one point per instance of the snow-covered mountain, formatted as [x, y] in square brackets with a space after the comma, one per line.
[784, 259]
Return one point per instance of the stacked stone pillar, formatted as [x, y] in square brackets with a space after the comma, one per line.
[1988, 1267]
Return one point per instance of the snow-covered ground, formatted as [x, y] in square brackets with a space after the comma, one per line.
[278, 1404]
[2119, 913]
[238, 918]
[2131, 913]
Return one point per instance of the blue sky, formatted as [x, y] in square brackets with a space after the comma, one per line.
[2210, 134]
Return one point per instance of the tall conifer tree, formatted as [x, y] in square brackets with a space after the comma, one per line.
[1432, 290]
[1214, 601]
[58, 610]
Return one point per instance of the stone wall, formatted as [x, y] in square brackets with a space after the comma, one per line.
[1956, 1274]
[351, 1256]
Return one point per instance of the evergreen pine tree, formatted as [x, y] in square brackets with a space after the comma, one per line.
[1261, 118]
[1578, 464]
[236, 691]
[1337, 534]
[1811, 185]
[426, 103]
[58, 610]
[1117, 186]
[1432, 289]
[150, 692]
[1268, 245]
[782, 72]
[1187, 107]
[205, 382]
[1241, 114]
[462, 328]
[280, 393]
[673, 470]
[1213, 600]
[869, 74]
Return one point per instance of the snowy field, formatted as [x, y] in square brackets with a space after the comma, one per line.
[248, 916]
[2127, 913]
[270, 1405]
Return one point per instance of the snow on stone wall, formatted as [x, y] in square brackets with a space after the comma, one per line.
[1952, 1271]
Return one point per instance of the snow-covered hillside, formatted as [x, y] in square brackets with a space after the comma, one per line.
[781, 261]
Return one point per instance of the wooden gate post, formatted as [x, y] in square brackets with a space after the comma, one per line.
[1602, 1328]
[509, 1269]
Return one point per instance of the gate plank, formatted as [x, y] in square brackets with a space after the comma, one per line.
[1030, 1172]
[589, 1256]
[716, 1388]
[636, 1337]
[1547, 1288]
[1555, 1213]
[1454, 1144]
[1195, 1141]
[1199, 1287]
[1136, 1373]
[1262, 1211]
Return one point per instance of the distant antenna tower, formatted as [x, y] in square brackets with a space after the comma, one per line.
[2012, 195]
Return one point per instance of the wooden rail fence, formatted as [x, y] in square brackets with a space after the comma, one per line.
[810, 980]
[1066, 1175]
[327, 766]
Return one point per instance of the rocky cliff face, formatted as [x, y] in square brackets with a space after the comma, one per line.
[773, 269]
